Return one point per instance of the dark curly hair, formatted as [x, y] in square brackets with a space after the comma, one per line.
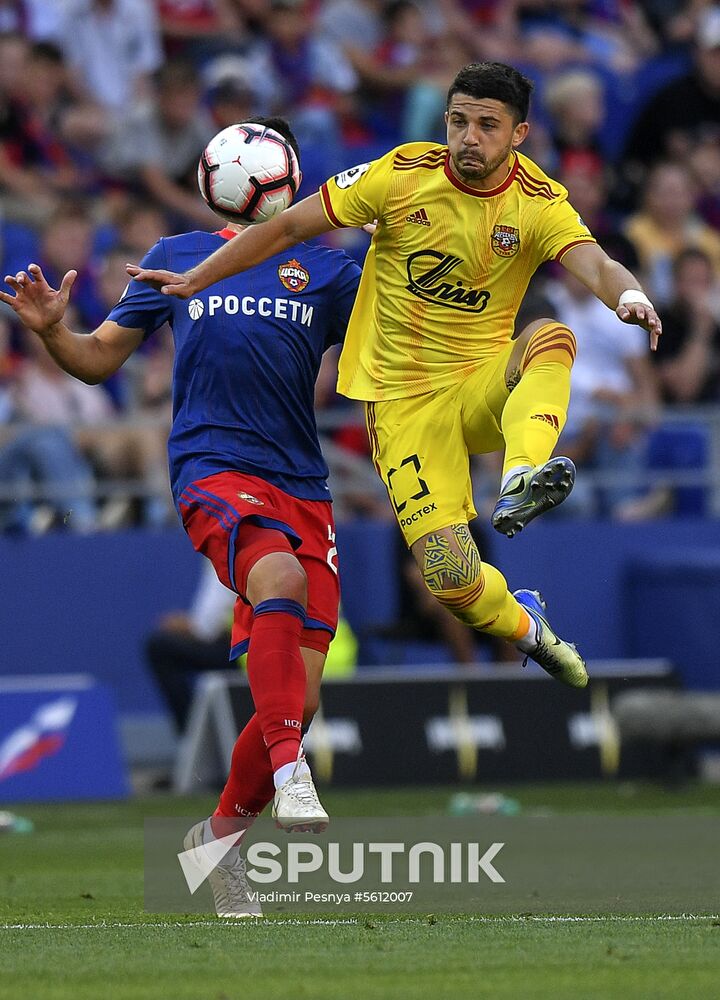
[497, 81]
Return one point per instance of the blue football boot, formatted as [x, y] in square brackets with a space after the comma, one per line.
[528, 494]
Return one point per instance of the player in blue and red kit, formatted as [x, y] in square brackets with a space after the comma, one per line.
[247, 473]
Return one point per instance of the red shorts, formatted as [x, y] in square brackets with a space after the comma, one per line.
[212, 511]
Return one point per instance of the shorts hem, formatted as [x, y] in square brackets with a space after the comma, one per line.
[416, 532]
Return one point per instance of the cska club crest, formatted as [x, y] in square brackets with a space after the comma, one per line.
[293, 275]
[505, 241]
[249, 498]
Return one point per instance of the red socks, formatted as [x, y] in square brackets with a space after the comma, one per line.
[250, 786]
[277, 676]
[272, 737]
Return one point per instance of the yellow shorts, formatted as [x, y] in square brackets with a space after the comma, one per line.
[421, 447]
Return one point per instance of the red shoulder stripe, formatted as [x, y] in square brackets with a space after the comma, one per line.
[329, 211]
[576, 243]
[534, 182]
[421, 156]
[532, 193]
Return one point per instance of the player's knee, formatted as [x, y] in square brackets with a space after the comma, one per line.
[529, 331]
[278, 575]
[463, 602]
[547, 340]
[457, 572]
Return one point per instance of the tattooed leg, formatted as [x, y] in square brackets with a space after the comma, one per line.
[450, 559]
[475, 592]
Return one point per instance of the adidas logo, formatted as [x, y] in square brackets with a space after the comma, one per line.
[420, 218]
[549, 418]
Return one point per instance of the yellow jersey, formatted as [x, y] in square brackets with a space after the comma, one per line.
[447, 268]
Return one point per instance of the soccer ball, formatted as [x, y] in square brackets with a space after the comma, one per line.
[248, 173]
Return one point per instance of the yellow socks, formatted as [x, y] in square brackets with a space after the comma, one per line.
[536, 409]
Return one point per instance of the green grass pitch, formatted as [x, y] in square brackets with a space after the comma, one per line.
[72, 924]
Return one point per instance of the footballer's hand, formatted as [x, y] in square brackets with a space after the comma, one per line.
[167, 282]
[370, 227]
[35, 303]
[640, 314]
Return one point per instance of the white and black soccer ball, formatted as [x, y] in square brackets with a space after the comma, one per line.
[248, 173]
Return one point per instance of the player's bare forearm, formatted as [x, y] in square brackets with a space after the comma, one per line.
[613, 279]
[609, 280]
[91, 358]
[84, 356]
[250, 247]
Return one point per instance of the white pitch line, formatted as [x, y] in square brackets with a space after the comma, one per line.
[618, 918]
[108, 925]
[298, 922]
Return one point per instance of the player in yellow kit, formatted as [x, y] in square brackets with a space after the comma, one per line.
[460, 231]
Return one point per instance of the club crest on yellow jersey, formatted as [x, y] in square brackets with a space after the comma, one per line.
[293, 275]
[505, 241]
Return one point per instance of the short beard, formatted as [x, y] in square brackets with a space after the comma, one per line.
[479, 173]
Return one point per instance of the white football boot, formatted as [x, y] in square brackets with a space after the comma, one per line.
[296, 806]
[228, 880]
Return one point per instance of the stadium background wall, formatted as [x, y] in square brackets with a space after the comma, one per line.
[85, 604]
[503, 724]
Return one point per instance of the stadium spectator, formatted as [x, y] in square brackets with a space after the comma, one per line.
[114, 47]
[39, 20]
[424, 117]
[704, 162]
[306, 74]
[140, 225]
[671, 21]
[688, 357]
[158, 145]
[686, 109]
[197, 28]
[666, 224]
[351, 22]
[190, 642]
[36, 165]
[49, 450]
[613, 392]
[231, 101]
[45, 481]
[575, 101]
[67, 241]
[588, 184]
[575, 32]
[388, 71]
[111, 449]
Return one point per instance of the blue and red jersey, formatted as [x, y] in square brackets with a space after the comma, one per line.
[247, 354]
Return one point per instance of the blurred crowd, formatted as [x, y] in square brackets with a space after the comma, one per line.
[105, 106]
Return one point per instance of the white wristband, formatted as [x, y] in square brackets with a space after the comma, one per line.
[634, 295]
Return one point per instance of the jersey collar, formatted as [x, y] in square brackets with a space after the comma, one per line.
[456, 182]
[225, 234]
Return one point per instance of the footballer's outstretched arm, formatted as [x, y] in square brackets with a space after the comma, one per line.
[93, 357]
[250, 247]
[609, 280]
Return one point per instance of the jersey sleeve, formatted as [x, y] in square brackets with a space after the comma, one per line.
[141, 307]
[345, 289]
[357, 195]
[560, 228]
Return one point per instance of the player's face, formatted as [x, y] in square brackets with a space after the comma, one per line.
[481, 134]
